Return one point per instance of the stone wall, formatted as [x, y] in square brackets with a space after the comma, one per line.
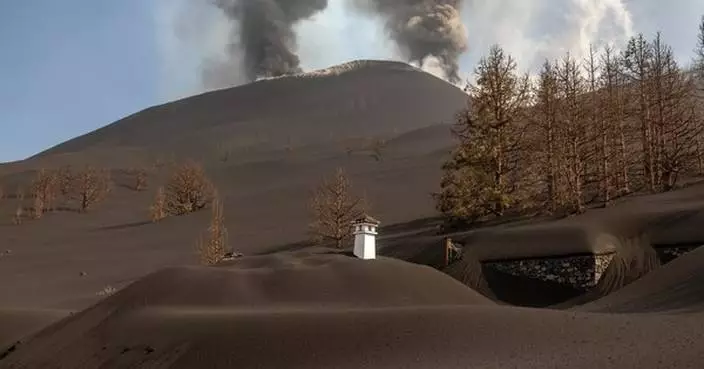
[667, 254]
[581, 272]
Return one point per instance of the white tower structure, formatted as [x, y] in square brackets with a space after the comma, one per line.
[365, 231]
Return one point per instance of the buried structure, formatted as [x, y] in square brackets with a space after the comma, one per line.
[561, 262]
[365, 230]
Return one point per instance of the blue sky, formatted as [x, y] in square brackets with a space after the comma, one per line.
[68, 69]
[70, 66]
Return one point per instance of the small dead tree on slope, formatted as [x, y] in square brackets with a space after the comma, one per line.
[188, 190]
[334, 208]
[213, 248]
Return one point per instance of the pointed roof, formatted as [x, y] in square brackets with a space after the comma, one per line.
[364, 218]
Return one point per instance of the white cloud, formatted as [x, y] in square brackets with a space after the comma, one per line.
[533, 30]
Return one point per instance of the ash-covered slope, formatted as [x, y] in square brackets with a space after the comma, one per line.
[332, 311]
[357, 99]
[265, 145]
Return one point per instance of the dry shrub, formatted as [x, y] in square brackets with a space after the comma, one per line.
[334, 208]
[64, 179]
[140, 179]
[90, 186]
[44, 189]
[213, 248]
[188, 190]
[158, 209]
[19, 212]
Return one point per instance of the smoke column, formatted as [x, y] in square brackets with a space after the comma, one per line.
[262, 30]
[426, 31]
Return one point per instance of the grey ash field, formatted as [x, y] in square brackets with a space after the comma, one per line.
[286, 304]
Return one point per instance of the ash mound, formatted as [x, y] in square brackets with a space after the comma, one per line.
[309, 310]
[287, 288]
[677, 287]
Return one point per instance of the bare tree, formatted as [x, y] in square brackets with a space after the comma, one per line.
[637, 68]
[44, 189]
[574, 128]
[188, 190]
[213, 248]
[613, 104]
[679, 129]
[334, 207]
[90, 186]
[18, 217]
[600, 130]
[547, 107]
[139, 177]
[158, 209]
[699, 55]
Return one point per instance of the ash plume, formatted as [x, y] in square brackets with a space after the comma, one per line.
[425, 30]
[262, 31]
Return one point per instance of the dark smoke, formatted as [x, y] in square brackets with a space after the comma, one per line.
[423, 29]
[263, 33]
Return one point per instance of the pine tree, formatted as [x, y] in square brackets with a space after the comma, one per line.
[481, 178]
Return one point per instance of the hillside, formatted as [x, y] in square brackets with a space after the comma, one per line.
[266, 145]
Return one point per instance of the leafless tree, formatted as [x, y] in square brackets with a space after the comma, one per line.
[614, 106]
[213, 248]
[44, 189]
[90, 186]
[573, 126]
[158, 209]
[334, 207]
[139, 177]
[188, 190]
[18, 217]
[699, 55]
[547, 107]
[637, 69]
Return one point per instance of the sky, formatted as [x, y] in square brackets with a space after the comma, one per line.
[69, 67]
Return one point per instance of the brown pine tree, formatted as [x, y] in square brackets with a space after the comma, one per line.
[482, 177]
[573, 126]
[158, 210]
[547, 107]
[213, 248]
[334, 207]
[613, 103]
[18, 217]
[90, 186]
[699, 55]
[637, 69]
[44, 189]
[189, 189]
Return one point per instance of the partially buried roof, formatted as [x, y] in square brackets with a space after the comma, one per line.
[366, 219]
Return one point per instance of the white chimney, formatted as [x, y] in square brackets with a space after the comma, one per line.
[365, 231]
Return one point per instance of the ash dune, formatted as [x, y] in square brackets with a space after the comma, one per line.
[305, 310]
[676, 288]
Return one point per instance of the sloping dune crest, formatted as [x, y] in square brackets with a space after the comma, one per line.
[310, 310]
[677, 287]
